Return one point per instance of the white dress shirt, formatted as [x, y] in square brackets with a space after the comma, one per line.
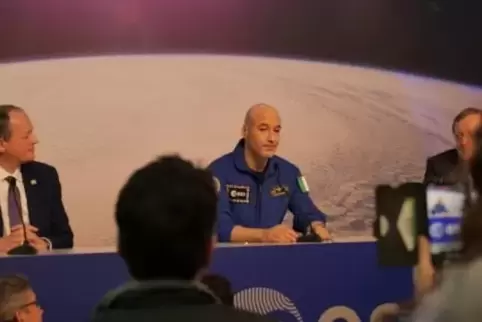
[4, 198]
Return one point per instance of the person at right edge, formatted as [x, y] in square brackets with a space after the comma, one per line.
[456, 296]
[449, 168]
[165, 215]
[257, 188]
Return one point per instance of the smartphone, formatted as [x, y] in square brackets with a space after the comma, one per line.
[445, 209]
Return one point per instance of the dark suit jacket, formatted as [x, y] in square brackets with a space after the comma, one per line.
[444, 169]
[45, 207]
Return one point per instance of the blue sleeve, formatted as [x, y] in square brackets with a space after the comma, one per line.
[224, 224]
[302, 207]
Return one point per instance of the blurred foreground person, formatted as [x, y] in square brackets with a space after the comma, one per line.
[476, 163]
[220, 286]
[471, 230]
[165, 216]
[458, 295]
[18, 301]
[457, 299]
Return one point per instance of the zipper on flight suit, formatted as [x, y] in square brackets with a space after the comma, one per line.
[259, 199]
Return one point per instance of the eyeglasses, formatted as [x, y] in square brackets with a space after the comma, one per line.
[29, 304]
[24, 307]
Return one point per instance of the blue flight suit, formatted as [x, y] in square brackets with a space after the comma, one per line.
[260, 200]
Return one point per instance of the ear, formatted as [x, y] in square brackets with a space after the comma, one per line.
[18, 316]
[211, 246]
[244, 131]
[2, 145]
[209, 254]
[209, 251]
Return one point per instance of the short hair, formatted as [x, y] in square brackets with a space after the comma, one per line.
[220, 286]
[470, 229]
[472, 221]
[463, 114]
[165, 216]
[5, 120]
[476, 162]
[12, 290]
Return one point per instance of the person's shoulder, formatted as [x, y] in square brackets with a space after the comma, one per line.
[238, 315]
[445, 156]
[286, 165]
[36, 166]
[222, 162]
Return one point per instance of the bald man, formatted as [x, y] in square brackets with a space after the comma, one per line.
[256, 187]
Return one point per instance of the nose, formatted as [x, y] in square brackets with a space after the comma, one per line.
[34, 139]
[272, 136]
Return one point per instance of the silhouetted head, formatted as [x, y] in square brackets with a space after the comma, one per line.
[476, 161]
[165, 216]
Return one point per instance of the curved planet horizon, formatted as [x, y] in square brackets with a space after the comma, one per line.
[347, 127]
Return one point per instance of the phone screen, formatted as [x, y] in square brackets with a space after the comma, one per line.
[445, 208]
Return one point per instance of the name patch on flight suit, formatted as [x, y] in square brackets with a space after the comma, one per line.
[279, 191]
[237, 193]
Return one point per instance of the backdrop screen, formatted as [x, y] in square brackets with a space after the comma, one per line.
[366, 91]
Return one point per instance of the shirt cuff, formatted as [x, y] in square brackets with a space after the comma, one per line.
[49, 243]
[224, 232]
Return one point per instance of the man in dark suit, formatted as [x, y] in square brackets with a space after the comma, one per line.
[444, 168]
[449, 168]
[29, 191]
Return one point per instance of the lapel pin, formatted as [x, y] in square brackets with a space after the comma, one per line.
[33, 182]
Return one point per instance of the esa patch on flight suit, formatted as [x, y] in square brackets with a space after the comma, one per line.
[238, 193]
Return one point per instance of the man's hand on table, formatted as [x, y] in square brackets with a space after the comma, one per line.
[39, 243]
[9, 242]
[320, 229]
[280, 234]
[16, 238]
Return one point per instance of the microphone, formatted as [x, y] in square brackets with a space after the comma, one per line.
[26, 248]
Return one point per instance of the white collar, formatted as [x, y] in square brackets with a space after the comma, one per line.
[5, 174]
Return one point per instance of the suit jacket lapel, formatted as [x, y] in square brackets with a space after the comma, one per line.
[30, 194]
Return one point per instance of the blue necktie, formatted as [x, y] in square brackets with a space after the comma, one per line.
[14, 210]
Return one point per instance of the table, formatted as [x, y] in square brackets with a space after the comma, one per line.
[302, 282]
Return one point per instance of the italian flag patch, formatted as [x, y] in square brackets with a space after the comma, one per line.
[303, 184]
